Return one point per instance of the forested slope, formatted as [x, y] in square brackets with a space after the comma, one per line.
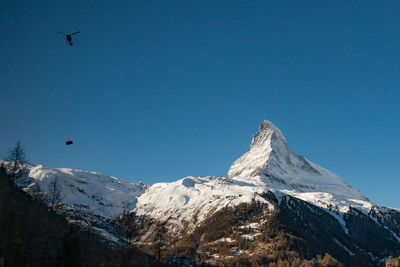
[33, 235]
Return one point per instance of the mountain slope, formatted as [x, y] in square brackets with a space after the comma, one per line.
[88, 199]
[270, 163]
[281, 188]
[88, 191]
[33, 235]
[273, 207]
[268, 166]
[191, 200]
[293, 232]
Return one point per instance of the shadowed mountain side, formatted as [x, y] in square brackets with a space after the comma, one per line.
[32, 235]
[295, 232]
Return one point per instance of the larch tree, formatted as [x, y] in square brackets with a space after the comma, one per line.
[15, 160]
[55, 190]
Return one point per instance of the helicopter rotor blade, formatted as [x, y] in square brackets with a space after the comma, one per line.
[62, 33]
[75, 33]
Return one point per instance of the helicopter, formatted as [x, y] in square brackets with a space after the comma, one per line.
[68, 37]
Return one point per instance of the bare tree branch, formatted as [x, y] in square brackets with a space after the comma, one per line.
[55, 189]
[16, 159]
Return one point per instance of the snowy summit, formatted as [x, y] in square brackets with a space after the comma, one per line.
[268, 166]
[270, 163]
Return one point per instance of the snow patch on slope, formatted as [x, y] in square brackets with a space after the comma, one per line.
[193, 199]
[89, 192]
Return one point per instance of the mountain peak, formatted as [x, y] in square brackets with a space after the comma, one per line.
[269, 161]
[265, 125]
[269, 135]
[268, 142]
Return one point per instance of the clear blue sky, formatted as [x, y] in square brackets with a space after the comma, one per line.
[158, 90]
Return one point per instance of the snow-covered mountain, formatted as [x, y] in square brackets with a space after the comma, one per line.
[88, 199]
[90, 192]
[269, 199]
[193, 199]
[272, 165]
[268, 166]
[272, 205]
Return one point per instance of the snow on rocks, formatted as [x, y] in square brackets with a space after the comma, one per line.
[89, 192]
[193, 199]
